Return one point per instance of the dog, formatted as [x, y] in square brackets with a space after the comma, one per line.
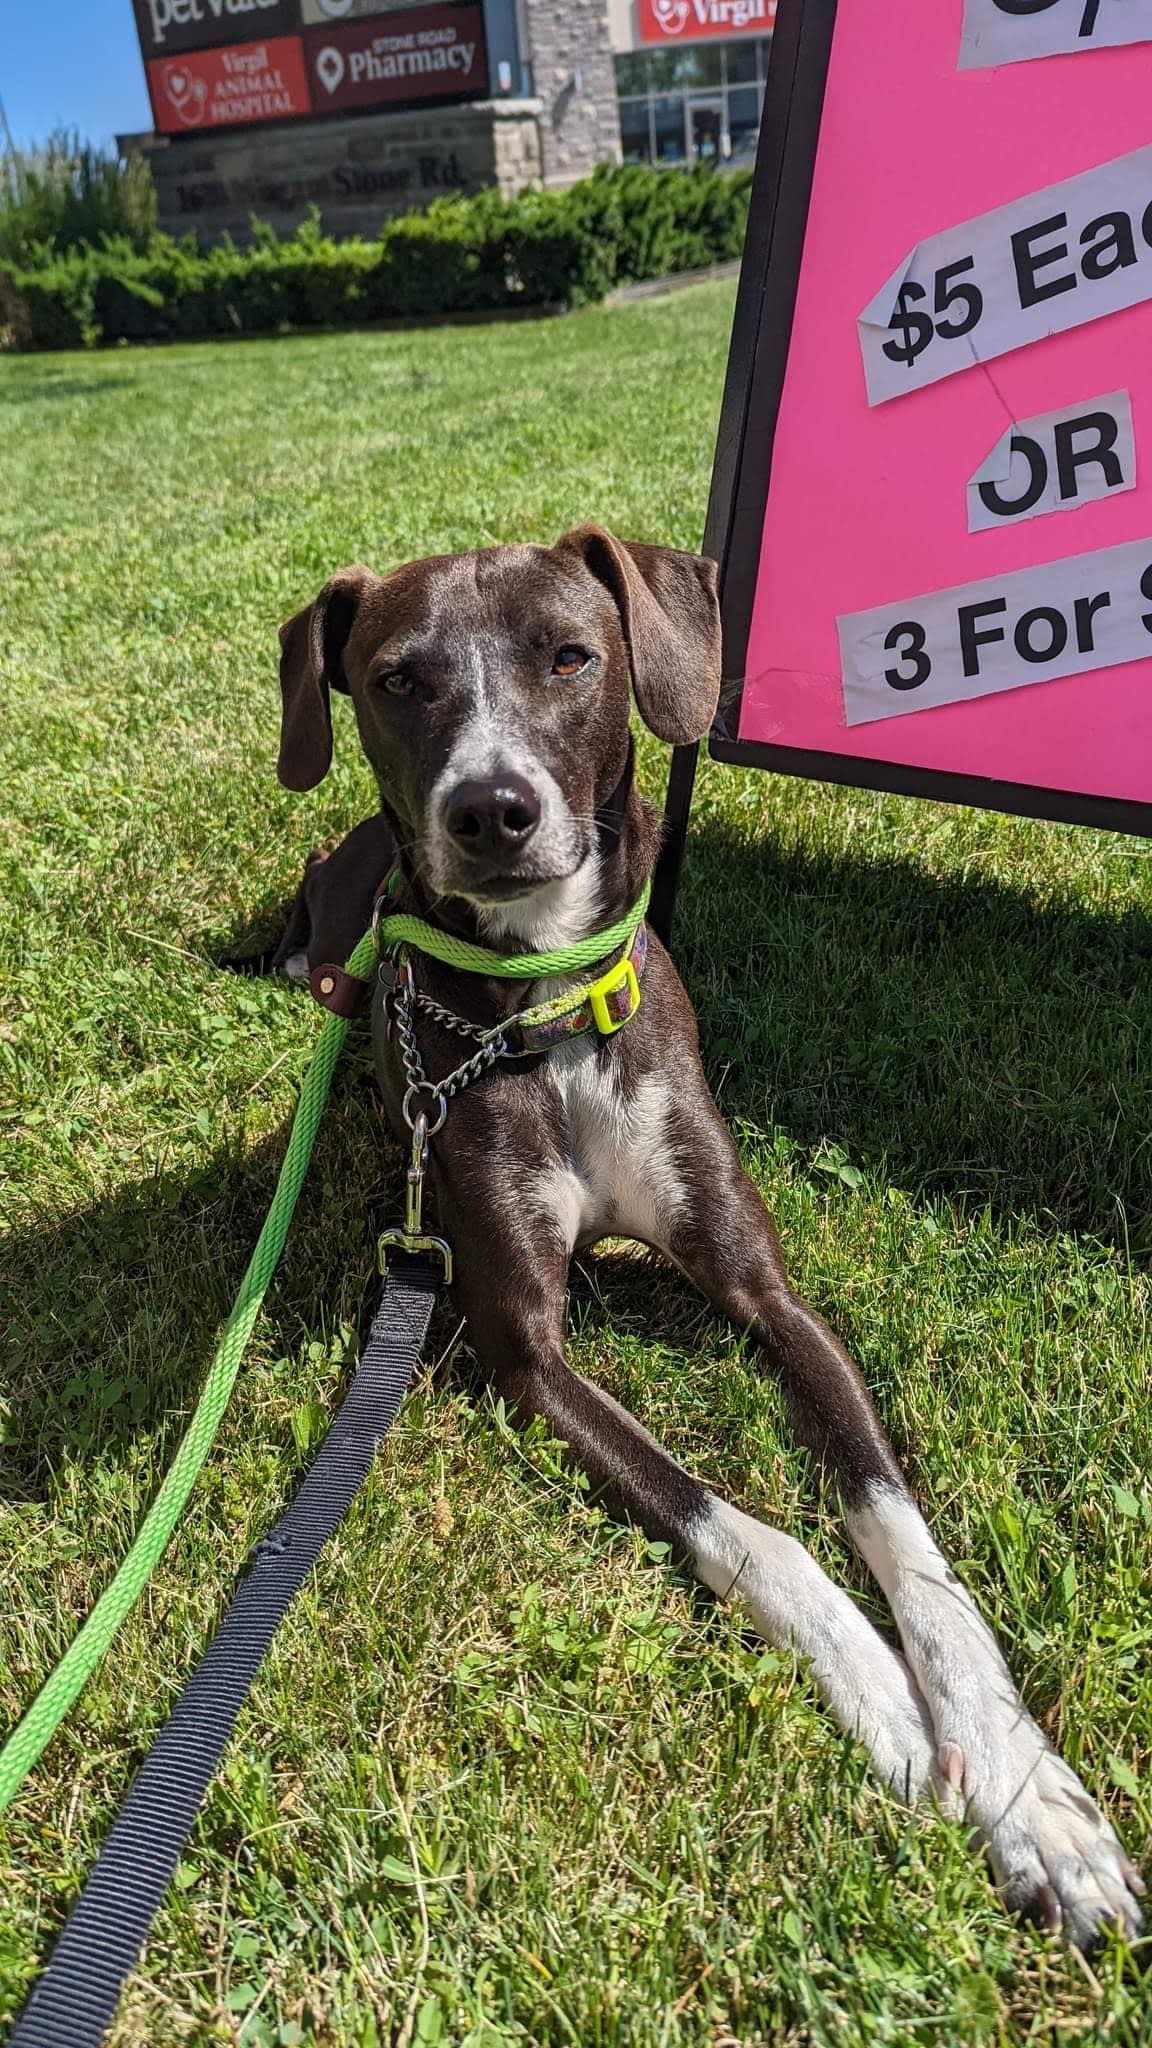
[491, 691]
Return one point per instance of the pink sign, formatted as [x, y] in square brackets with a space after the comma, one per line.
[929, 594]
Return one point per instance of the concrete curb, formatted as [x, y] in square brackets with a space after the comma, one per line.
[677, 281]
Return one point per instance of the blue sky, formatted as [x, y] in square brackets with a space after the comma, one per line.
[71, 63]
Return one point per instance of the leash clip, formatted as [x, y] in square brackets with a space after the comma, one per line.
[412, 1237]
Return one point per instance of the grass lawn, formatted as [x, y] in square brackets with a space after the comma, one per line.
[506, 1778]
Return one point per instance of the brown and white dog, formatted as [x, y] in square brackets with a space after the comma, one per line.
[491, 691]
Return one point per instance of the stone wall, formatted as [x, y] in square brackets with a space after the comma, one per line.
[569, 48]
[357, 171]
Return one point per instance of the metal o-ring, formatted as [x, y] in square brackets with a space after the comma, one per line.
[424, 1088]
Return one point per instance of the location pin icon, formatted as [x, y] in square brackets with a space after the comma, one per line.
[329, 68]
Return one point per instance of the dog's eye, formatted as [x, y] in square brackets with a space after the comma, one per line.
[569, 661]
[395, 682]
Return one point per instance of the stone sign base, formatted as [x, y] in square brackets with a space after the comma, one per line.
[357, 171]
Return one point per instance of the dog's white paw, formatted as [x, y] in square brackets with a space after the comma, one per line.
[1055, 1856]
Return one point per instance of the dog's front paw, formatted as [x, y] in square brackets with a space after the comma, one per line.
[1055, 1856]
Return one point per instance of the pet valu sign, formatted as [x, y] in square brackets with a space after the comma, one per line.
[168, 27]
[933, 491]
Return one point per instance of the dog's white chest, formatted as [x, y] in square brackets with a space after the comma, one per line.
[619, 1177]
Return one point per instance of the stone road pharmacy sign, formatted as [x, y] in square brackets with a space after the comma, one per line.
[425, 53]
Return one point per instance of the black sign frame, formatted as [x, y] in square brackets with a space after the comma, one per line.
[753, 389]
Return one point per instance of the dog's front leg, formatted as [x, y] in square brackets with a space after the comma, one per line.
[1053, 1851]
[513, 1299]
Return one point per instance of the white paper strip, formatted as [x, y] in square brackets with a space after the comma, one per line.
[1010, 31]
[1054, 462]
[1070, 253]
[1057, 619]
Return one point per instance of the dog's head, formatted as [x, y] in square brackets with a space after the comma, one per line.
[491, 693]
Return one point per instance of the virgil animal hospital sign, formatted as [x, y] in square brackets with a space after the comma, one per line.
[932, 499]
[665, 21]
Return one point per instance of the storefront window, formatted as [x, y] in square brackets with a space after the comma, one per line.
[676, 70]
[668, 127]
[706, 128]
[741, 63]
[635, 133]
[743, 119]
[696, 105]
[632, 75]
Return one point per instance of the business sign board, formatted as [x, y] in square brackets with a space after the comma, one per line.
[932, 499]
[420, 53]
[229, 87]
[168, 27]
[206, 70]
[318, 12]
[687, 21]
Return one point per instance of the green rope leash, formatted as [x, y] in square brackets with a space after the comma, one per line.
[402, 930]
[31, 1735]
[80, 1659]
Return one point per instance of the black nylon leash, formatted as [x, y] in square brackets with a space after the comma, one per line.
[75, 1999]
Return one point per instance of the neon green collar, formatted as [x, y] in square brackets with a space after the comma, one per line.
[401, 930]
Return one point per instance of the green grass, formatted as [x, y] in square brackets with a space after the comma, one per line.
[506, 1778]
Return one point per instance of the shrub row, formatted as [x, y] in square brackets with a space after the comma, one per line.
[460, 256]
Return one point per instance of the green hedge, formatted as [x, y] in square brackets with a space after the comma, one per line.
[460, 256]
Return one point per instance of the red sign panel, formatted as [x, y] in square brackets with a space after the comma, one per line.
[226, 88]
[424, 53]
[686, 21]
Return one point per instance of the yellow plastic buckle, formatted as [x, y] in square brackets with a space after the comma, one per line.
[623, 975]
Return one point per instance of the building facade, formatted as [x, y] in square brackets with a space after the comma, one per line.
[690, 78]
[365, 108]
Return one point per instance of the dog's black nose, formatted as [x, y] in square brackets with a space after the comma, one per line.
[493, 817]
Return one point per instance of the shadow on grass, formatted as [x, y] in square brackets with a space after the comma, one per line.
[248, 945]
[981, 1046]
[30, 389]
[112, 1313]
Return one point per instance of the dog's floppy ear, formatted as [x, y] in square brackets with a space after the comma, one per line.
[311, 664]
[671, 619]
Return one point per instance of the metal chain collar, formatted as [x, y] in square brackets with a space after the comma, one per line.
[491, 1045]
[402, 1002]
